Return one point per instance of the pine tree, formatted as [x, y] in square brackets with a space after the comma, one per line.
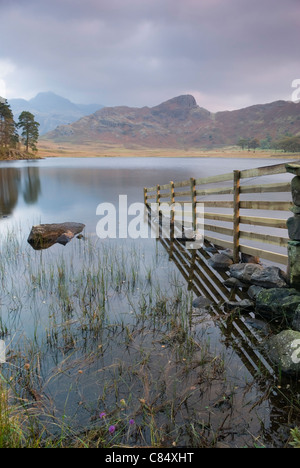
[8, 133]
[30, 130]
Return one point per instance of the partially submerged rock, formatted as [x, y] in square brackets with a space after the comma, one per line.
[259, 325]
[284, 351]
[266, 277]
[278, 303]
[245, 258]
[220, 261]
[201, 302]
[296, 320]
[44, 236]
[232, 283]
[245, 305]
[254, 291]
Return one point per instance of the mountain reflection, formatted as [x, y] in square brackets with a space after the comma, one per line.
[13, 182]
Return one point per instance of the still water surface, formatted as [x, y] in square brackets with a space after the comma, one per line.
[59, 190]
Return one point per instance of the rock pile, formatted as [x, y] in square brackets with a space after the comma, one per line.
[293, 225]
[272, 298]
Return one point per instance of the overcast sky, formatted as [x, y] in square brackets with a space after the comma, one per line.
[228, 53]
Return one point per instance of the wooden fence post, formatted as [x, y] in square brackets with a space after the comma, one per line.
[145, 196]
[236, 216]
[194, 202]
[172, 199]
[158, 195]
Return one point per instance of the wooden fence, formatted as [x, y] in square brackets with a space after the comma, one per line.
[232, 187]
[207, 282]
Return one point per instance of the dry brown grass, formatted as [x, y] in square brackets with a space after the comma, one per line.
[49, 149]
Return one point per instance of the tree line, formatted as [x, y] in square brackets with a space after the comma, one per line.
[9, 129]
[288, 143]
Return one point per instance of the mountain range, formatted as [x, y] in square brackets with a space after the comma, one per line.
[179, 123]
[51, 110]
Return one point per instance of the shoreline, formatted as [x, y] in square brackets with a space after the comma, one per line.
[46, 150]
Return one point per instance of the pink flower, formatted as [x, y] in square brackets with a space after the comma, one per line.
[102, 415]
[112, 429]
[131, 422]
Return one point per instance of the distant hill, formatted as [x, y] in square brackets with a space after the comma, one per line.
[180, 123]
[51, 110]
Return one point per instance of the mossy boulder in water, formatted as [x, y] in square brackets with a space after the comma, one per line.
[284, 351]
[278, 303]
[294, 263]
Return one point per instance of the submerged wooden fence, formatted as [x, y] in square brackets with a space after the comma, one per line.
[232, 187]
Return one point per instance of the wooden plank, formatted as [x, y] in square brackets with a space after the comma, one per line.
[228, 218]
[151, 197]
[158, 195]
[183, 194]
[172, 193]
[257, 221]
[165, 195]
[265, 238]
[264, 171]
[165, 187]
[219, 242]
[219, 204]
[215, 191]
[219, 229]
[151, 189]
[267, 255]
[184, 183]
[183, 212]
[266, 188]
[172, 197]
[215, 179]
[236, 216]
[194, 202]
[265, 205]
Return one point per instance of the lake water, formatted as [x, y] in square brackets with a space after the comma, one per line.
[98, 321]
[59, 189]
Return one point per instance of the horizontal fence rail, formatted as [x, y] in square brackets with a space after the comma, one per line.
[236, 192]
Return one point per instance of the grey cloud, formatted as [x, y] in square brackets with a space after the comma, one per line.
[139, 52]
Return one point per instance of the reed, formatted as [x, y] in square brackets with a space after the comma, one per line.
[103, 328]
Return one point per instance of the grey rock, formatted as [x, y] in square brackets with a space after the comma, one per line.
[259, 325]
[245, 258]
[293, 225]
[220, 261]
[244, 271]
[234, 283]
[269, 277]
[211, 250]
[295, 188]
[201, 302]
[294, 264]
[228, 253]
[295, 209]
[254, 291]
[266, 277]
[284, 351]
[296, 320]
[293, 168]
[244, 306]
[277, 303]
